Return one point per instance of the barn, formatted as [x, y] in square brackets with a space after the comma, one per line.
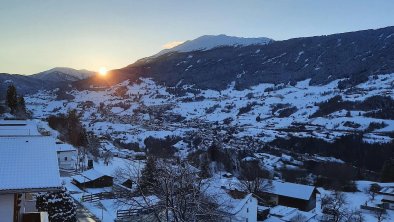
[302, 197]
[92, 179]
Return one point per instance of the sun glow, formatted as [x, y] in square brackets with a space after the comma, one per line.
[103, 71]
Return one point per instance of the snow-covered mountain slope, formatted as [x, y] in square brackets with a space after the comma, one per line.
[353, 56]
[131, 112]
[207, 42]
[63, 74]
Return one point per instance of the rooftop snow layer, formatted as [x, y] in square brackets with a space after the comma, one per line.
[65, 147]
[28, 163]
[18, 128]
[88, 176]
[293, 190]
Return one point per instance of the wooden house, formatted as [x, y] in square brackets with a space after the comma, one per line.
[92, 179]
[302, 197]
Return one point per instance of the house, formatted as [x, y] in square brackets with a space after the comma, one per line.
[289, 214]
[302, 197]
[388, 197]
[18, 128]
[27, 165]
[92, 179]
[245, 209]
[239, 206]
[67, 156]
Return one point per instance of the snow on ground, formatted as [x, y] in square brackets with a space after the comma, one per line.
[106, 112]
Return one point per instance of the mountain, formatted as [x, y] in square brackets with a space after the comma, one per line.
[50, 79]
[352, 55]
[207, 42]
[25, 84]
[62, 74]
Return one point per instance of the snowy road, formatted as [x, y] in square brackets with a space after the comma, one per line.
[83, 215]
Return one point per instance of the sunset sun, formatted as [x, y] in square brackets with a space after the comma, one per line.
[103, 71]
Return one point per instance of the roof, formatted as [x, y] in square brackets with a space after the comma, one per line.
[241, 203]
[387, 191]
[294, 190]
[28, 163]
[18, 128]
[290, 214]
[88, 175]
[63, 147]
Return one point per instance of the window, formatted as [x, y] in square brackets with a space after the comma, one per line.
[247, 210]
[65, 158]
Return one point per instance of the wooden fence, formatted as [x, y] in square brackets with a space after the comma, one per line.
[96, 197]
[122, 215]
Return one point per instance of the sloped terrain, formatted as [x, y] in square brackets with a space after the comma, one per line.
[353, 55]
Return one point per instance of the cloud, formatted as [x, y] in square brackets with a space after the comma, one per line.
[170, 45]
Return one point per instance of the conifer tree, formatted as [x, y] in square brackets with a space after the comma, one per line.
[59, 205]
[148, 179]
[11, 98]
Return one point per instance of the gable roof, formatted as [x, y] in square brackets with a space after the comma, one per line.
[28, 163]
[294, 190]
[88, 175]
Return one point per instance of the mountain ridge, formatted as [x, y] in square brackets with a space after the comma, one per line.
[351, 55]
[207, 42]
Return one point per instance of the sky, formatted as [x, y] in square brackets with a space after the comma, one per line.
[37, 35]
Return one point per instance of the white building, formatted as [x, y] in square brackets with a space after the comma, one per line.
[67, 156]
[244, 210]
[27, 165]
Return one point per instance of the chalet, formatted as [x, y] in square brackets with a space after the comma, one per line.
[294, 195]
[67, 156]
[388, 197]
[92, 179]
[27, 165]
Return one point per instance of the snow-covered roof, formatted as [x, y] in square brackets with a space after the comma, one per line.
[240, 204]
[18, 128]
[284, 213]
[28, 163]
[88, 175]
[387, 191]
[298, 191]
[63, 147]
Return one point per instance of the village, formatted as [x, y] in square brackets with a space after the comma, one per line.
[35, 161]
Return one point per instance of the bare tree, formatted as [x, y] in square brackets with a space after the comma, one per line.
[334, 207]
[380, 215]
[254, 179]
[179, 192]
[107, 157]
[298, 218]
[372, 190]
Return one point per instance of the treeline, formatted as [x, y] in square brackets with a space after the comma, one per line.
[375, 106]
[70, 128]
[351, 149]
[15, 104]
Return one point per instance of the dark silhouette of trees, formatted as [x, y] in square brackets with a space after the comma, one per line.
[11, 98]
[388, 171]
